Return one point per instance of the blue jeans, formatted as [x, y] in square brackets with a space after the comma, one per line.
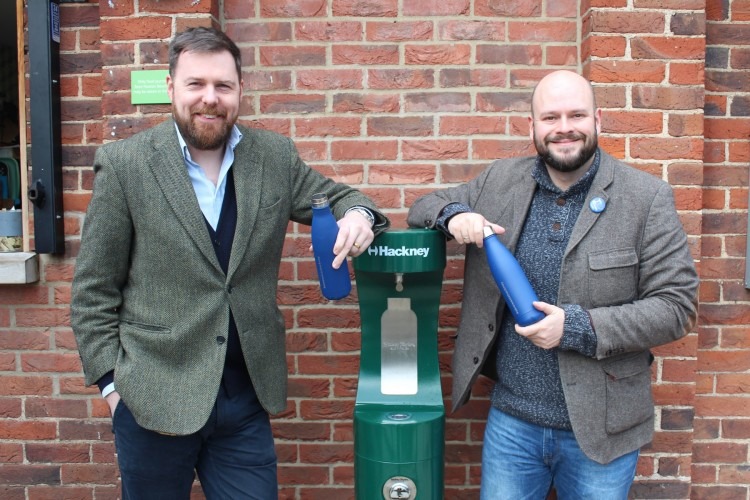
[233, 454]
[522, 461]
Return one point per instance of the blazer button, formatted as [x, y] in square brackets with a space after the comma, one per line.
[476, 360]
[428, 223]
[491, 327]
[220, 340]
[229, 288]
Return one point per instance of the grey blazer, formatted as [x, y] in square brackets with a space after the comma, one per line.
[629, 266]
[149, 297]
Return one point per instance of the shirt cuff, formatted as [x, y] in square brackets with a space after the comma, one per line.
[106, 383]
[578, 332]
[446, 213]
[109, 389]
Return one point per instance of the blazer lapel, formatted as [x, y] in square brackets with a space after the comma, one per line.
[510, 212]
[248, 183]
[588, 217]
[171, 174]
[520, 208]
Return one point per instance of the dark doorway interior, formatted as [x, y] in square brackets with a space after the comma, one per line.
[10, 195]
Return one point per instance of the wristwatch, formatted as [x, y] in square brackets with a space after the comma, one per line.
[365, 213]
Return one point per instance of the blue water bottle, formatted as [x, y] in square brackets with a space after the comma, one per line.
[512, 281]
[334, 283]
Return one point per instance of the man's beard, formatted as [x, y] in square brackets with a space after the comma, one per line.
[205, 136]
[567, 163]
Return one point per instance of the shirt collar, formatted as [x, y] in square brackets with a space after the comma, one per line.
[541, 176]
[234, 138]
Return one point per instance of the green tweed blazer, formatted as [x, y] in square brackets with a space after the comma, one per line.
[149, 297]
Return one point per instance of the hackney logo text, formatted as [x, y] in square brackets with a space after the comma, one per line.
[386, 251]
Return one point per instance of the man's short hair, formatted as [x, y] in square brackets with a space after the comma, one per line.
[203, 40]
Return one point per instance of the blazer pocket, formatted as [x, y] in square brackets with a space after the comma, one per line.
[143, 345]
[629, 400]
[269, 210]
[145, 327]
[145, 351]
[613, 277]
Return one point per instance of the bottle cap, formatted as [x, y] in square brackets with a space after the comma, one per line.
[487, 231]
[319, 200]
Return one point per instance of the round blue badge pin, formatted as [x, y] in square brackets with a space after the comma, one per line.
[597, 205]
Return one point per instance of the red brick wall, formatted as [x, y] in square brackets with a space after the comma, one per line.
[647, 66]
[722, 408]
[401, 98]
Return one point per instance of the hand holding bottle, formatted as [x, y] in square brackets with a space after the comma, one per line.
[468, 227]
[352, 239]
[511, 280]
[355, 235]
[334, 280]
[545, 334]
[332, 241]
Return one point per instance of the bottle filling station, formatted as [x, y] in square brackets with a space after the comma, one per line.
[399, 414]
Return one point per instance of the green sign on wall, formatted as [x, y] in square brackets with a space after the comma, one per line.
[149, 87]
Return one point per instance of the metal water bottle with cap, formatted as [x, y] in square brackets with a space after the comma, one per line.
[512, 281]
[334, 283]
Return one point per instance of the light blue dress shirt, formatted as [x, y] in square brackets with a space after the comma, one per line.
[210, 196]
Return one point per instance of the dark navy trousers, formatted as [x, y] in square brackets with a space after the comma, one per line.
[233, 454]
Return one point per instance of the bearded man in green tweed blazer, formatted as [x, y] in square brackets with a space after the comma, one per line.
[162, 294]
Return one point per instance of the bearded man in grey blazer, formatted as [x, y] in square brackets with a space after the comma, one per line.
[174, 295]
[603, 247]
